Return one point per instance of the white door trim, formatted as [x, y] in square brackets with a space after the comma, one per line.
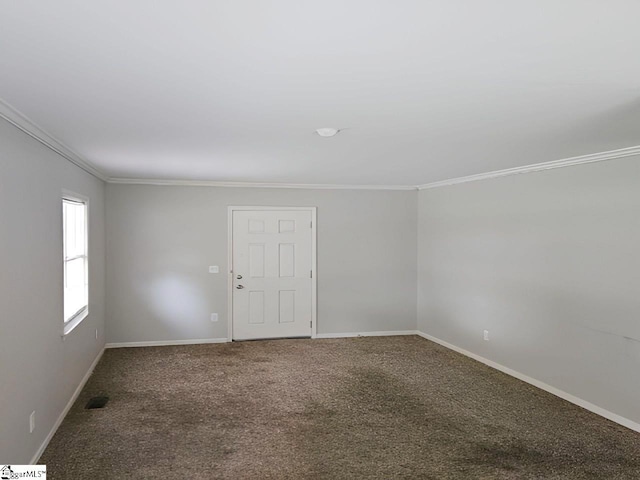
[314, 275]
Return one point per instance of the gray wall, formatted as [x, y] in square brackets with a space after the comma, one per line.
[548, 262]
[161, 240]
[38, 369]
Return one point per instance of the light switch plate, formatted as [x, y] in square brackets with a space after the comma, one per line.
[214, 269]
[214, 317]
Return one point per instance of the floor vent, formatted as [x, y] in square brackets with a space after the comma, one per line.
[96, 402]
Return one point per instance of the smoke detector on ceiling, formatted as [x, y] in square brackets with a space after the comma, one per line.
[327, 132]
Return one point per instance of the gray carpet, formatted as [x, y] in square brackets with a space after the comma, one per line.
[385, 407]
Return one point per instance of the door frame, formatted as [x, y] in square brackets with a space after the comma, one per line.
[314, 258]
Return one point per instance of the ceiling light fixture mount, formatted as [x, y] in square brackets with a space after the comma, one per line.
[327, 132]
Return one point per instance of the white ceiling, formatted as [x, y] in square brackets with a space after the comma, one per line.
[233, 90]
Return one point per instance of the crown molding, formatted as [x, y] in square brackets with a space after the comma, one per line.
[539, 167]
[204, 183]
[21, 121]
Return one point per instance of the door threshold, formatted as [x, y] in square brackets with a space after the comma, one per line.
[268, 338]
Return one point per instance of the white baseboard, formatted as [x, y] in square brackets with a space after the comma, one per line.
[64, 412]
[163, 343]
[367, 334]
[625, 422]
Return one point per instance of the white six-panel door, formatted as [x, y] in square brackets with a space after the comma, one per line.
[272, 269]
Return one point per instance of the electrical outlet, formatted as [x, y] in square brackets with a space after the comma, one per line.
[214, 269]
[214, 317]
[32, 421]
[486, 335]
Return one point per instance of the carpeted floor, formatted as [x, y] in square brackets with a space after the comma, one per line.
[377, 407]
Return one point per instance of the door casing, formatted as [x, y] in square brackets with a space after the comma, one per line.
[314, 276]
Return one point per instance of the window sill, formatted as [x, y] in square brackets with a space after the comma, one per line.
[74, 322]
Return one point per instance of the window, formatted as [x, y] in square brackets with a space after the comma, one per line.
[76, 261]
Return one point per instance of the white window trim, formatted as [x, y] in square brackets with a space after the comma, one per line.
[69, 325]
[75, 321]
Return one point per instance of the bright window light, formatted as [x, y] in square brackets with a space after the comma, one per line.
[76, 259]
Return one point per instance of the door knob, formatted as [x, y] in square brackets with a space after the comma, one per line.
[239, 287]
[239, 277]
